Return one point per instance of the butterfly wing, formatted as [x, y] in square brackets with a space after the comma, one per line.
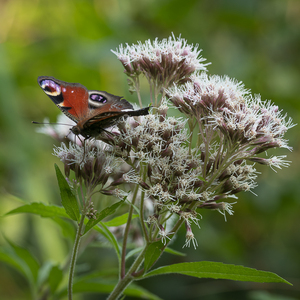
[93, 111]
[70, 98]
[106, 109]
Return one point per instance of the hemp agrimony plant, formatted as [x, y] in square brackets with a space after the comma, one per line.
[165, 169]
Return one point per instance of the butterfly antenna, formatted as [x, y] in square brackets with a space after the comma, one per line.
[49, 123]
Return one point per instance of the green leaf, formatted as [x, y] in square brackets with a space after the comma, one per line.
[106, 232]
[105, 273]
[217, 270]
[68, 229]
[152, 254]
[41, 209]
[68, 200]
[50, 273]
[133, 252]
[101, 215]
[132, 290]
[99, 285]
[56, 213]
[21, 261]
[174, 252]
[110, 237]
[27, 258]
[55, 277]
[44, 273]
[118, 221]
[201, 178]
[15, 262]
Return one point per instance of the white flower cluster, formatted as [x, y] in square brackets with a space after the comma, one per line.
[161, 54]
[162, 62]
[172, 173]
[230, 113]
[181, 165]
[92, 162]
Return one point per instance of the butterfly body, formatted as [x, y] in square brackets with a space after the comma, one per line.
[91, 110]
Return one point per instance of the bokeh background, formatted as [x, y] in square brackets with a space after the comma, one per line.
[257, 42]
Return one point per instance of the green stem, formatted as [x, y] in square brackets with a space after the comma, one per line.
[144, 229]
[191, 128]
[137, 88]
[122, 267]
[74, 255]
[128, 278]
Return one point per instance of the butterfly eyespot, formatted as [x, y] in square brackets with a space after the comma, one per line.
[98, 98]
[47, 89]
[50, 87]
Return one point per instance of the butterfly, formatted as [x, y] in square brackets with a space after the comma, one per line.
[91, 110]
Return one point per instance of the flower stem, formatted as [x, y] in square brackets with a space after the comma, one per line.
[122, 267]
[144, 229]
[74, 255]
[124, 282]
[137, 88]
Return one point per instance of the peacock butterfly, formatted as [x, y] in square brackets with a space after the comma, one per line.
[93, 111]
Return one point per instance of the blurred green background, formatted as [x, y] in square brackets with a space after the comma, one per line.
[257, 42]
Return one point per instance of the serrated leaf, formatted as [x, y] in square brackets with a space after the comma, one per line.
[152, 254]
[68, 200]
[41, 209]
[217, 270]
[118, 221]
[101, 215]
[56, 213]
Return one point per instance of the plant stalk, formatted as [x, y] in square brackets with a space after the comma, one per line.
[128, 278]
[74, 256]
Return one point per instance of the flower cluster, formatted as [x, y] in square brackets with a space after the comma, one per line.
[92, 163]
[162, 62]
[230, 113]
[180, 165]
[177, 178]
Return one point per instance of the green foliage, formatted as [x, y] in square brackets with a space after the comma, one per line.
[174, 252]
[216, 270]
[153, 252]
[68, 199]
[118, 221]
[110, 237]
[101, 215]
[55, 277]
[24, 262]
[41, 209]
